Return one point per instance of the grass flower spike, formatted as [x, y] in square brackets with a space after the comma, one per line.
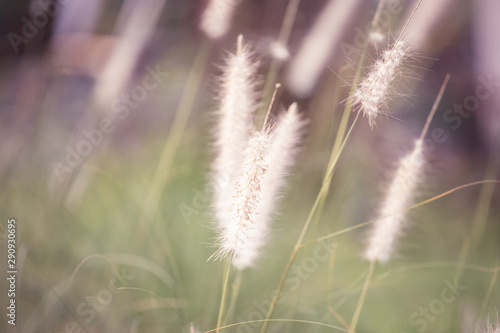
[240, 231]
[373, 92]
[237, 104]
[279, 158]
[250, 166]
[399, 197]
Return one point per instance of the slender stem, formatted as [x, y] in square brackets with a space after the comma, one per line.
[275, 66]
[488, 293]
[332, 163]
[344, 121]
[322, 193]
[338, 317]
[331, 266]
[486, 194]
[286, 27]
[234, 296]
[227, 270]
[351, 289]
[336, 151]
[439, 196]
[280, 321]
[269, 109]
[362, 298]
[435, 106]
[349, 105]
[409, 20]
[482, 208]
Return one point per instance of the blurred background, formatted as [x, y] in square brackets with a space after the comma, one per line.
[105, 130]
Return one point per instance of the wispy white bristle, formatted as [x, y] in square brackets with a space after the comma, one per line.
[373, 92]
[279, 159]
[492, 327]
[400, 195]
[217, 17]
[239, 231]
[251, 165]
[237, 106]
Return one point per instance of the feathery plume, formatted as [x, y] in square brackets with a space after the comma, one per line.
[237, 105]
[495, 329]
[251, 165]
[238, 230]
[399, 197]
[280, 157]
[491, 328]
[319, 46]
[217, 17]
[373, 92]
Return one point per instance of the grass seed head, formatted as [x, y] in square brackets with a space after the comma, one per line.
[400, 195]
[372, 94]
[237, 106]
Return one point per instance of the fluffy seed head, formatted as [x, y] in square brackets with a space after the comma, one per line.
[373, 92]
[250, 166]
[492, 327]
[400, 195]
[217, 17]
[237, 104]
[279, 158]
[239, 230]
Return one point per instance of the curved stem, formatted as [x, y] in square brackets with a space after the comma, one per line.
[321, 194]
[362, 297]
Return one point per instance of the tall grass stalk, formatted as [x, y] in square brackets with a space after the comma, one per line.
[236, 285]
[487, 297]
[350, 102]
[389, 229]
[362, 297]
[322, 193]
[225, 283]
[357, 76]
[339, 144]
[486, 194]
[480, 219]
[421, 203]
